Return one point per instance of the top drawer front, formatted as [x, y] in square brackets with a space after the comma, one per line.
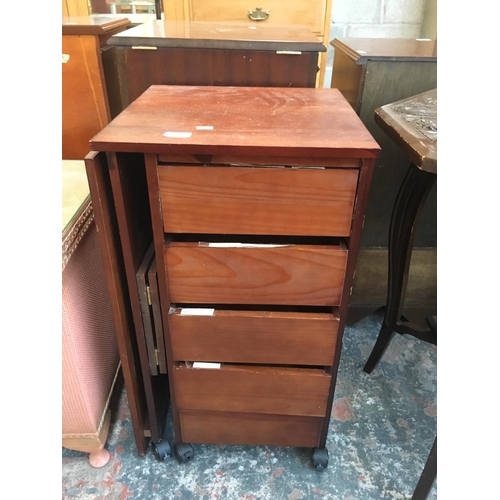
[245, 200]
[310, 14]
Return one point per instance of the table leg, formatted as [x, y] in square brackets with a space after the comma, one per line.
[428, 476]
[409, 201]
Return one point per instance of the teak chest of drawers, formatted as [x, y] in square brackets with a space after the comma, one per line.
[89, 80]
[254, 198]
[215, 53]
[314, 15]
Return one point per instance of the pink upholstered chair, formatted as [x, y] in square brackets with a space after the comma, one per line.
[89, 349]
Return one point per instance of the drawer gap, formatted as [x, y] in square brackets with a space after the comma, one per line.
[254, 239]
[311, 369]
[197, 160]
[249, 307]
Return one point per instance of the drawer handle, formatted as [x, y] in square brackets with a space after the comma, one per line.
[258, 14]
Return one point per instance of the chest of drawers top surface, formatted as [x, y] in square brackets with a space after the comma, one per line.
[258, 121]
[362, 50]
[219, 35]
[92, 25]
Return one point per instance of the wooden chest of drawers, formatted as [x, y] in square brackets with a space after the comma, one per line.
[255, 200]
[90, 90]
[314, 15]
[371, 72]
[215, 53]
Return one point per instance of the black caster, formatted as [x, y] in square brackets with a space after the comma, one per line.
[320, 458]
[184, 452]
[162, 450]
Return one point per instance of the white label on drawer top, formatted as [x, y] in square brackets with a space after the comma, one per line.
[197, 311]
[209, 366]
[178, 135]
[65, 58]
[245, 245]
[204, 127]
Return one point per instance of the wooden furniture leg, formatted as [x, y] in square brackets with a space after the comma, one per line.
[428, 476]
[409, 201]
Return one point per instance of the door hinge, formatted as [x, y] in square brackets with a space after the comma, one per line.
[148, 293]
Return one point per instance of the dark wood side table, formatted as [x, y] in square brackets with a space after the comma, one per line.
[254, 198]
[90, 92]
[412, 125]
[216, 53]
[370, 73]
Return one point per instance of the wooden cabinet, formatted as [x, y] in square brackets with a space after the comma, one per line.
[254, 198]
[90, 92]
[210, 53]
[314, 15]
[371, 73]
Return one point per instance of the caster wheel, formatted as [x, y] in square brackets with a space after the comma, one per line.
[162, 450]
[320, 458]
[184, 452]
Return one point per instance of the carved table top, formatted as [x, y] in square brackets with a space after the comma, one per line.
[412, 124]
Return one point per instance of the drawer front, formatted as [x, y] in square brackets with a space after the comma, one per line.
[286, 275]
[252, 389]
[274, 201]
[310, 14]
[260, 337]
[249, 428]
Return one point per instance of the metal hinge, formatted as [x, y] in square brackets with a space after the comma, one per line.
[148, 295]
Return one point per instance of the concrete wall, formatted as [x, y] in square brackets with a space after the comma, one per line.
[377, 19]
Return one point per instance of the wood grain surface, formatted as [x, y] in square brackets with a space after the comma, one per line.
[288, 275]
[96, 167]
[221, 67]
[361, 50]
[310, 14]
[85, 109]
[93, 25]
[157, 318]
[220, 35]
[265, 337]
[232, 200]
[260, 121]
[253, 389]
[250, 429]
[147, 313]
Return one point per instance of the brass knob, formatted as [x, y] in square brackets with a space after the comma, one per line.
[258, 14]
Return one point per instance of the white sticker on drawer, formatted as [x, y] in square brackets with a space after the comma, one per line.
[209, 366]
[65, 58]
[178, 135]
[204, 127]
[245, 245]
[197, 311]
